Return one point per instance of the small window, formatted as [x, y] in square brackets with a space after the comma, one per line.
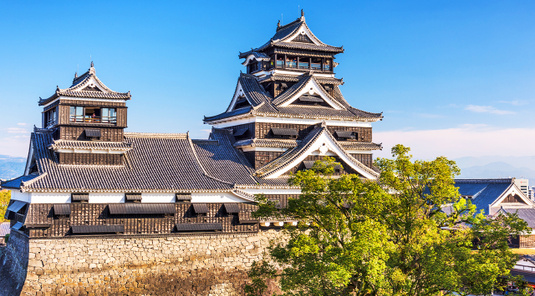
[286, 133]
[133, 197]
[346, 135]
[291, 62]
[280, 61]
[316, 64]
[93, 115]
[77, 114]
[201, 210]
[109, 115]
[80, 197]
[50, 117]
[303, 63]
[93, 134]
[183, 197]
[327, 65]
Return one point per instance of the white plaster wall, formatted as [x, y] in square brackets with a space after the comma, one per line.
[158, 197]
[106, 197]
[22, 196]
[272, 191]
[215, 197]
[50, 198]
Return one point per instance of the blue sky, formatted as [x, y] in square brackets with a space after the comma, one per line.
[453, 78]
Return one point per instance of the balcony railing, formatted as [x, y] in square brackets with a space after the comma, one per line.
[94, 119]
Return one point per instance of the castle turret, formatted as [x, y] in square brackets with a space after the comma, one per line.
[87, 121]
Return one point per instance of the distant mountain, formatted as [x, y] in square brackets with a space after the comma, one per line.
[11, 167]
[498, 167]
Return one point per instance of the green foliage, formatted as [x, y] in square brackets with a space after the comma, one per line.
[386, 237]
[5, 196]
[6, 238]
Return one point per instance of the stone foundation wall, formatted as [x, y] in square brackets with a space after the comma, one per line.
[201, 264]
[13, 262]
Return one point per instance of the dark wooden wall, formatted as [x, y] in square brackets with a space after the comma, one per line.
[110, 134]
[65, 105]
[90, 158]
[98, 214]
[262, 130]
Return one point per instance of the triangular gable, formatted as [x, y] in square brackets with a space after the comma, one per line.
[318, 142]
[521, 200]
[303, 30]
[89, 81]
[307, 86]
[238, 94]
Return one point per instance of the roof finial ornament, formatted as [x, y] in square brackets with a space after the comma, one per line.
[75, 75]
[92, 68]
[279, 24]
[302, 13]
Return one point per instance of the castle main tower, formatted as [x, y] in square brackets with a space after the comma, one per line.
[288, 111]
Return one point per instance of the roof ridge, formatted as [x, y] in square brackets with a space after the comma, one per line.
[298, 20]
[484, 180]
[202, 167]
[156, 135]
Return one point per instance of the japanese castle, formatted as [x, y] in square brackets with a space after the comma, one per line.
[86, 176]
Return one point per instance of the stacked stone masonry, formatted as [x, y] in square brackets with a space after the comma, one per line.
[197, 264]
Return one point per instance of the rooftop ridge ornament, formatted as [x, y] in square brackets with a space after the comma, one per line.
[302, 13]
[279, 24]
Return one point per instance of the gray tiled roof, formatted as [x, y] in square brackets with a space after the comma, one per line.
[483, 191]
[18, 182]
[68, 144]
[271, 143]
[527, 215]
[156, 162]
[79, 89]
[288, 143]
[222, 160]
[263, 104]
[296, 78]
[286, 31]
[360, 145]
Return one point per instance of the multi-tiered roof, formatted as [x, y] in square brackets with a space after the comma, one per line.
[289, 89]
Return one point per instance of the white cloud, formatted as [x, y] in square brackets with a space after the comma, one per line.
[515, 102]
[430, 115]
[466, 140]
[22, 123]
[16, 130]
[15, 145]
[487, 109]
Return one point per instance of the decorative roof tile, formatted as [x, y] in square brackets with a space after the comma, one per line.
[265, 105]
[270, 143]
[284, 38]
[72, 144]
[87, 86]
[297, 78]
[364, 146]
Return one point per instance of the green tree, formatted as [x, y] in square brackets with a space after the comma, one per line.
[5, 196]
[390, 237]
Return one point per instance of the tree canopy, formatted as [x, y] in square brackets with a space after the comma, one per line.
[5, 196]
[408, 233]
